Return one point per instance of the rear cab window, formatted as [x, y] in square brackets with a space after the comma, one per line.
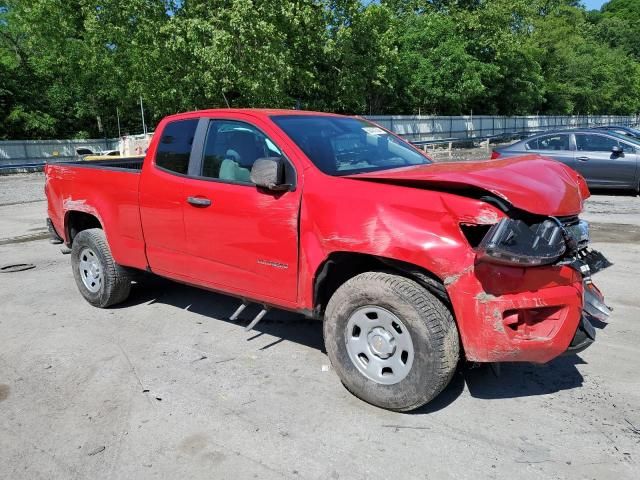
[174, 147]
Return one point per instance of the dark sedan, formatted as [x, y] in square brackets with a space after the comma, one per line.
[605, 159]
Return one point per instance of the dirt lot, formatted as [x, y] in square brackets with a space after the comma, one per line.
[161, 387]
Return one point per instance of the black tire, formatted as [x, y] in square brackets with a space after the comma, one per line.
[115, 282]
[430, 324]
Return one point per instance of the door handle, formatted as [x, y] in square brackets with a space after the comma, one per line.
[199, 201]
[582, 159]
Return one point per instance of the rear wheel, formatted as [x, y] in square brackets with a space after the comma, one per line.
[392, 343]
[101, 281]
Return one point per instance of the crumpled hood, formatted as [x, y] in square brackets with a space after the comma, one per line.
[529, 182]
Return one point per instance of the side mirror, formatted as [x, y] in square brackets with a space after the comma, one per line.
[617, 151]
[269, 173]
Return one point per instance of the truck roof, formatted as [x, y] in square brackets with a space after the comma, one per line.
[263, 112]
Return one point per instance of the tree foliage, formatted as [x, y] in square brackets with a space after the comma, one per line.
[617, 25]
[65, 64]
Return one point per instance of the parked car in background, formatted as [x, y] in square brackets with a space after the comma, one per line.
[620, 130]
[605, 159]
[102, 155]
[85, 153]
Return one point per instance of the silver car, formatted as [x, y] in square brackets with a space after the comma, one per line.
[605, 159]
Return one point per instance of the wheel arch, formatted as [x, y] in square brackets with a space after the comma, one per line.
[76, 221]
[340, 266]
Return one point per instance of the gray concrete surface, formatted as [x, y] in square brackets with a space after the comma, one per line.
[160, 387]
[21, 188]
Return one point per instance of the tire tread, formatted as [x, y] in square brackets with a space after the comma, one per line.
[117, 278]
[436, 316]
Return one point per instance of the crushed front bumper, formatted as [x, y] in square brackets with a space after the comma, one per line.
[594, 309]
[528, 314]
[585, 336]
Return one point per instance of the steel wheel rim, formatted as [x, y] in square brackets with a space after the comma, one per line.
[90, 270]
[379, 345]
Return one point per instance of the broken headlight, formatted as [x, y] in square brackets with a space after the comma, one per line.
[514, 242]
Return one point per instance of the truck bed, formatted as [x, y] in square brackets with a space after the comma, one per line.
[106, 189]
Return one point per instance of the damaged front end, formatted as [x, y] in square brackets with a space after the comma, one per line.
[594, 309]
[552, 241]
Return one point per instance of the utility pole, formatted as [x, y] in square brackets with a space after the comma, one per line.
[144, 126]
[118, 117]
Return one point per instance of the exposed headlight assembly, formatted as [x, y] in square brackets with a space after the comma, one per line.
[514, 242]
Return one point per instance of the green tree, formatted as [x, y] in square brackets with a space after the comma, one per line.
[65, 63]
[78, 56]
[616, 25]
[440, 75]
[500, 33]
[583, 75]
[363, 55]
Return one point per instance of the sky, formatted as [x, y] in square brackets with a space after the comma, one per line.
[593, 4]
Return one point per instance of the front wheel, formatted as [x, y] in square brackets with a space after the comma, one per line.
[392, 343]
[101, 281]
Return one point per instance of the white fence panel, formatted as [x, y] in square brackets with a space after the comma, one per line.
[15, 152]
[432, 128]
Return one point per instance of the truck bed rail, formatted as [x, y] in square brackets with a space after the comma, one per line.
[122, 163]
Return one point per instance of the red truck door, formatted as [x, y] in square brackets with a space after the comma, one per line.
[161, 197]
[240, 238]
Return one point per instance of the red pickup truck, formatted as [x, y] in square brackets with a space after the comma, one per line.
[411, 265]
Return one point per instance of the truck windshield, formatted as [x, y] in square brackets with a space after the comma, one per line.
[344, 146]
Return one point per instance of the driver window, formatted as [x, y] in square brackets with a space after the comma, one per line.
[231, 148]
[595, 143]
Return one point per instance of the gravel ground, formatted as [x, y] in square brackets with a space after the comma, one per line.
[163, 386]
[441, 154]
[21, 188]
